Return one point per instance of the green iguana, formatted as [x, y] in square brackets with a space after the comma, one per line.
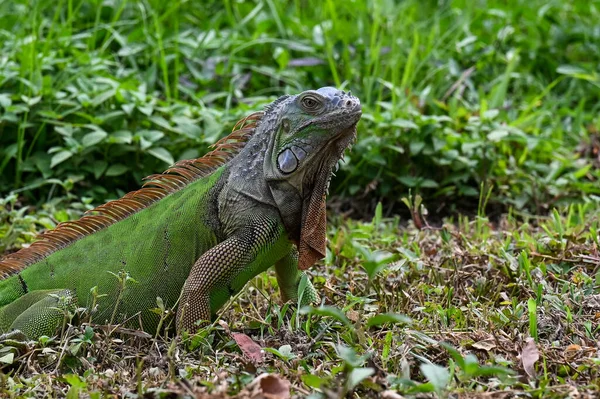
[197, 233]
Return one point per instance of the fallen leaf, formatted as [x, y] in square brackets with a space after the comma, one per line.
[591, 302]
[572, 351]
[225, 327]
[486, 345]
[529, 356]
[251, 349]
[572, 347]
[353, 315]
[266, 386]
[573, 392]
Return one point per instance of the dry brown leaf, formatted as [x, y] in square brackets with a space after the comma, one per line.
[353, 315]
[573, 392]
[251, 349]
[225, 327]
[529, 356]
[572, 347]
[572, 351]
[486, 345]
[591, 302]
[266, 386]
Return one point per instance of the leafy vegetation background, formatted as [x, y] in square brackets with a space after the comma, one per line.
[95, 95]
[479, 107]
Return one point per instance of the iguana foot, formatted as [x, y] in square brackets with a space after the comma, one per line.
[13, 339]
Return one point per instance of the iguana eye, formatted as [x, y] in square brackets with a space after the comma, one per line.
[310, 103]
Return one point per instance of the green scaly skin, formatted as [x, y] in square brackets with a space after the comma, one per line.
[200, 245]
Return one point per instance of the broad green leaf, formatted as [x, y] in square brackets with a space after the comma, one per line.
[151, 135]
[284, 352]
[128, 108]
[73, 393]
[376, 221]
[160, 121]
[74, 381]
[328, 311]
[74, 348]
[8, 358]
[116, 170]
[93, 138]
[5, 100]
[350, 357]
[497, 135]
[60, 157]
[301, 288]
[89, 333]
[162, 154]
[386, 318]
[570, 70]
[357, 375]
[471, 364]
[282, 56]
[405, 124]
[120, 137]
[455, 354]
[439, 376]
[313, 381]
[190, 130]
[99, 167]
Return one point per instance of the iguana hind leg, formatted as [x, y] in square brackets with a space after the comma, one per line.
[289, 277]
[37, 313]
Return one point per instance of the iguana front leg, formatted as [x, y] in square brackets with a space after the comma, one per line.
[288, 277]
[225, 268]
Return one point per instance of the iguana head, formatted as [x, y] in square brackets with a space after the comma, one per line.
[312, 130]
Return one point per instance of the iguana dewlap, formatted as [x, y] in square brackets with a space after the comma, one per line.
[197, 233]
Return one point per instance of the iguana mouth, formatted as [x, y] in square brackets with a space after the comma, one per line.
[334, 166]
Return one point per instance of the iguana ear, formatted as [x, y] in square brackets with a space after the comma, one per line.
[313, 241]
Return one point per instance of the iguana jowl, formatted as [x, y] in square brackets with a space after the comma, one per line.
[196, 233]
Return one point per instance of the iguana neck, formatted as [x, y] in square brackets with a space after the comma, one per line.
[246, 169]
[247, 177]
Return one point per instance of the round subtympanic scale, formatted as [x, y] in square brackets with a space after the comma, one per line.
[286, 161]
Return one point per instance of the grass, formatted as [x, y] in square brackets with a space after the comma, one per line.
[480, 132]
[470, 307]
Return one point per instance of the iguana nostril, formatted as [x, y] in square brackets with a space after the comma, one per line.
[348, 103]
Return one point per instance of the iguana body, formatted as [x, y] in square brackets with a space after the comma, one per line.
[196, 234]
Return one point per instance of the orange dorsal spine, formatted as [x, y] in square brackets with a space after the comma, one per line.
[156, 187]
